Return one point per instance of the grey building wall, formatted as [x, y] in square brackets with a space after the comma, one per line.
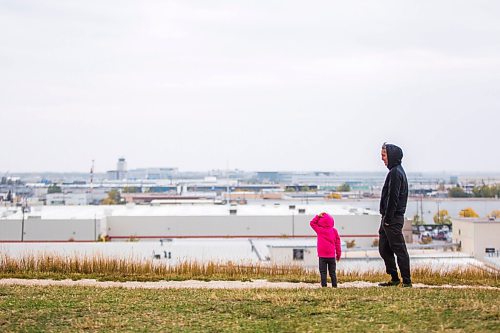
[476, 235]
[36, 229]
[283, 255]
[362, 228]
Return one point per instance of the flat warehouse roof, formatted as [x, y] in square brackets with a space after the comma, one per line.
[98, 212]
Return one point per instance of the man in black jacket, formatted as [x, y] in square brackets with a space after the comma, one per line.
[392, 208]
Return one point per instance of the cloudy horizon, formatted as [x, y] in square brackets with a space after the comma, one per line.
[252, 86]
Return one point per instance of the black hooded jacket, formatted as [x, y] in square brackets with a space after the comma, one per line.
[395, 190]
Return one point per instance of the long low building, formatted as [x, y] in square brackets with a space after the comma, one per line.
[477, 237]
[137, 222]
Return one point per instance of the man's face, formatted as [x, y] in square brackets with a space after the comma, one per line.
[384, 157]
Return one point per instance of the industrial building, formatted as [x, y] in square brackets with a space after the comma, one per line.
[477, 237]
[141, 222]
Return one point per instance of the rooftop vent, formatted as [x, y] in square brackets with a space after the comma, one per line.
[302, 210]
[232, 212]
[291, 207]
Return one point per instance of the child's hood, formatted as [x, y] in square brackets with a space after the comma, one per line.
[326, 221]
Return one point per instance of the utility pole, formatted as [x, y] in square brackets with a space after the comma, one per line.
[422, 207]
[22, 223]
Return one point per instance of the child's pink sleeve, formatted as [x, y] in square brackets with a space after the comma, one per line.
[338, 246]
[314, 223]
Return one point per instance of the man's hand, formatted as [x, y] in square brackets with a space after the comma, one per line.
[383, 221]
[338, 259]
[321, 214]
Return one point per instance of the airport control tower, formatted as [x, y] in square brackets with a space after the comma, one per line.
[121, 168]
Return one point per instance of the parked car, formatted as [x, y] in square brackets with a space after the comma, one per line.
[425, 234]
[440, 235]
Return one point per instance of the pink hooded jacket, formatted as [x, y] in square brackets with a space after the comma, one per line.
[328, 236]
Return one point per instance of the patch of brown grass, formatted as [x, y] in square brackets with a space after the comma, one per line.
[122, 269]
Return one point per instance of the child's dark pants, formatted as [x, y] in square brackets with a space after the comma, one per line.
[324, 264]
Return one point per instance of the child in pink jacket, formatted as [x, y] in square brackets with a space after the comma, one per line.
[328, 246]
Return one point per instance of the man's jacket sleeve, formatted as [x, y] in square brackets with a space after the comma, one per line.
[393, 195]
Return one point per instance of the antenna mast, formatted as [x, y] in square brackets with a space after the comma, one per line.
[92, 182]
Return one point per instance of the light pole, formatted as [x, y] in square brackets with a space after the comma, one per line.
[422, 207]
[439, 214]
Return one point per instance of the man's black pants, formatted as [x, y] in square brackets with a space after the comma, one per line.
[393, 243]
[329, 263]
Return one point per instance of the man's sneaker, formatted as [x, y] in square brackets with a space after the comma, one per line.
[407, 285]
[391, 283]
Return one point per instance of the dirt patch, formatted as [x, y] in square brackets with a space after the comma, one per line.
[195, 284]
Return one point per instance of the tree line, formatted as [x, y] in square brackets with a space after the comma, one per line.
[482, 191]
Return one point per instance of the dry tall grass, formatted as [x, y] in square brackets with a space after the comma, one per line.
[106, 268]
[121, 268]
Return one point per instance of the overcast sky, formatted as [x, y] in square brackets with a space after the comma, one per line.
[254, 85]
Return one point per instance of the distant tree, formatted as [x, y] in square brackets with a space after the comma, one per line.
[305, 189]
[54, 189]
[443, 217]
[131, 189]
[495, 214]
[350, 243]
[113, 198]
[417, 220]
[107, 201]
[344, 188]
[486, 191]
[457, 192]
[426, 240]
[468, 212]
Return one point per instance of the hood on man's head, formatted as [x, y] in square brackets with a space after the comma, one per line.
[326, 221]
[394, 155]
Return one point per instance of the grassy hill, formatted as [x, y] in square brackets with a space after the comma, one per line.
[71, 309]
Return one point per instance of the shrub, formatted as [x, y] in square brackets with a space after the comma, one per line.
[426, 240]
[468, 212]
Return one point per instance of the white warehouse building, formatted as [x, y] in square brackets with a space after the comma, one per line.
[477, 237]
[134, 222]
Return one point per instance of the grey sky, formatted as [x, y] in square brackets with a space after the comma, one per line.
[255, 85]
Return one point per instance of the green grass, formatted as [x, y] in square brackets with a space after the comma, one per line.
[73, 309]
[108, 269]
